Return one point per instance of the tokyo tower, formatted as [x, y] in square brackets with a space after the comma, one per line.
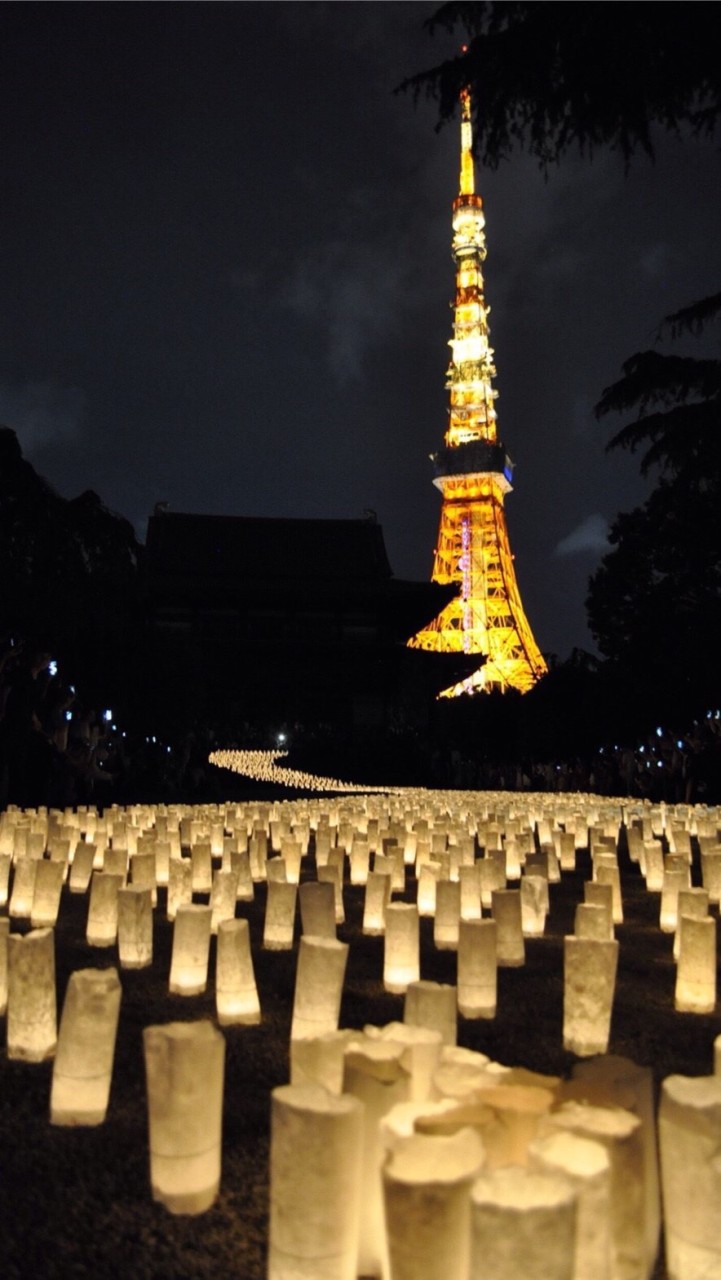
[474, 475]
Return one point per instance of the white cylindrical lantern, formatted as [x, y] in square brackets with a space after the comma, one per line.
[83, 1064]
[401, 955]
[477, 969]
[202, 864]
[534, 904]
[433, 1005]
[690, 1139]
[448, 915]
[426, 1189]
[318, 986]
[184, 1065]
[222, 898]
[588, 989]
[23, 890]
[315, 1179]
[587, 1167]
[191, 947]
[102, 926]
[135, 926]
[421, 1054]
[180, 885]
[359, 860]
[377, 897]
[673, 881]
[428, 875]
[279, 925]
[470, 881]
[696, 973]
[46, 897]
[321, 1059]
[510, 946]
[32, 1006]
[522, 1224]
[317, 908]
[691, 902]
[236, 993]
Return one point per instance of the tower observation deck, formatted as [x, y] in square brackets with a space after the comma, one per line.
[474, 475]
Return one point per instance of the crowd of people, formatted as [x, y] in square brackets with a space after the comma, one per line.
[57, 750]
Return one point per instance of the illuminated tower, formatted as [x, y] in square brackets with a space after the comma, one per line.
[474, 475]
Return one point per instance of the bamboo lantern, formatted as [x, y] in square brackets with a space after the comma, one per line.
[279, 923]
[426, 1192]
[317, 908]
[202, 864]
[586, 1165]
[401, 957]
[614, 1081]
[318, 986]
[315, 1180]
[448, 915]
[184, 1066]
[600, 895]
[222, 898]
[534, 905]
[421, 1054]
[236, 993]
[143, 874]
[428, 875]
[375, 1075]
[180, 885]
[690, 1138]
[191, 947]
[4, 935]
[102, 926]
[377, 897]
[591, 920]
[696, 973]
[477, 969]
[5, 864]
[588, 990]
[135, 927]
[673, 881]
[31, 1005]
[510, 947]
[332, 873]
[522, 1224]
[83, 1064]
[23, 891]
[691, 902]
[46, 897]
[620, 1134]
[82, 868]
[433, 1005]
[321, 1059]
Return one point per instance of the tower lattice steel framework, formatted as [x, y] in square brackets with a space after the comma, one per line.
[474, 475]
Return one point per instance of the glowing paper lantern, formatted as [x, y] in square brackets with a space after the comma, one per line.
[492, 871]
[426, 1188]
[470, 881]
[332, 873]
[477, 969]
[5, 864]
[236, 993]
[318, 986]
[46, 897]
[448, 914]
[222, 898]
[691, 902]
[191, 947]
[143, 874]
[359, 860]
[4, 935]
[401, 955]
[534, 904]
[202, 865]
[23, 890]
[82, 868]
[608, 873]
[83, 1064]
[510, 947]
[184, 1066]
[315, 1180]
[711, 875]
[427, 888]
[135, 926]
[279, 925]
[317, 908]
[31, 1005]
[180, 885]
[690, 1138]
[421, 1053]
[600, 895]
[585, 1164]
[696, 973]
[321, 1059]
[522, 1224]
[591, 920]
[102, 926]
[433, 1005]
[673, 881]
[589, 984]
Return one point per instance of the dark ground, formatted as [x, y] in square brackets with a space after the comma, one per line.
[76, 1202]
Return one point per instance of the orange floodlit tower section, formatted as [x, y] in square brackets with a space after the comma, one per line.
[474, 475]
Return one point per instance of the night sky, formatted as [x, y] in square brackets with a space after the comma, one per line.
[226, 278]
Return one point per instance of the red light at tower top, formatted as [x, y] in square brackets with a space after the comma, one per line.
[474, 474]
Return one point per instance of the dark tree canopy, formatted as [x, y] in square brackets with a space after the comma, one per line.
[550, 77]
